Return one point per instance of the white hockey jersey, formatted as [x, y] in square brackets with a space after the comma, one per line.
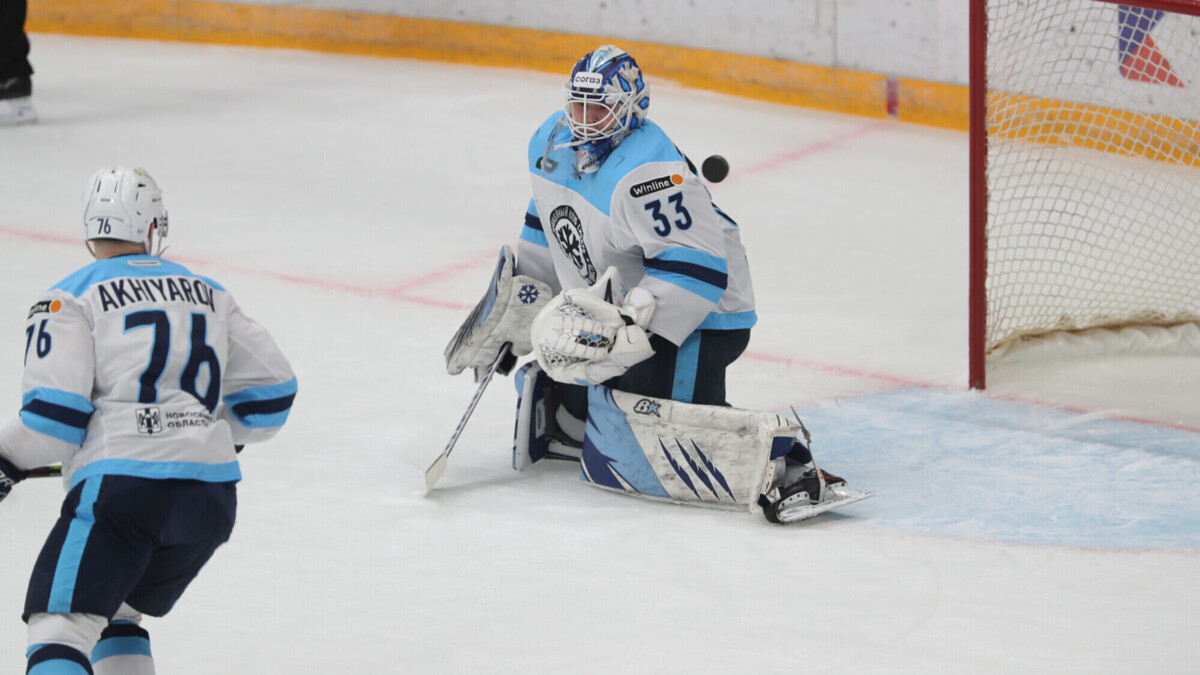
[136, 366]
[646, 212]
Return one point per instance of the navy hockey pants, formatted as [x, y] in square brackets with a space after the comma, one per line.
[126, 539]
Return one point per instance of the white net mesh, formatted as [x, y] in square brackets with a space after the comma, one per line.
[1093, 169]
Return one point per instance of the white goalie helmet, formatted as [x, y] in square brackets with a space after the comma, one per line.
[606, 99]
[125, 204]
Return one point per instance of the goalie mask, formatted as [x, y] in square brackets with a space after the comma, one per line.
[124, 204]
[606, 99]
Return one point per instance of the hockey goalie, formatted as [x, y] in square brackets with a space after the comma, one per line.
[631, 381]
[649, 446]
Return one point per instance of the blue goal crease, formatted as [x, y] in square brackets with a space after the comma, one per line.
[963, 465]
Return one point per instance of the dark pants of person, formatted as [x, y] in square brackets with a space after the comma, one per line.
[133, 540]
[14, 43]
[693, 372]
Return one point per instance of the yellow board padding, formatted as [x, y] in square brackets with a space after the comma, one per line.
[1051, 122]
[933, 103]
[360, 33]
[840, 90]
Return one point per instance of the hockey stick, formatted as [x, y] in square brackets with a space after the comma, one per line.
[54, 471]
[435, 470]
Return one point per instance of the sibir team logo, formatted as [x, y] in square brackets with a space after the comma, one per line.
[528, 294]
[568, 232]
[652, 186]
[647, 407]
[149, 420]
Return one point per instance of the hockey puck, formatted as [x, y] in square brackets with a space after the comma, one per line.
[714, 169]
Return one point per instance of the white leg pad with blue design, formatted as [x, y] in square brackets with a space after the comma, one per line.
[682, 452]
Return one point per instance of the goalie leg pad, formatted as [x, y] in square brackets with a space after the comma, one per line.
[537, 434]
[529, 437]
[679, 451]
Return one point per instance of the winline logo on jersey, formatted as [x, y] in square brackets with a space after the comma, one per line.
[51, 306]
[652, 186]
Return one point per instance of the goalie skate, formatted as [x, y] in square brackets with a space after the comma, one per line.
[814, 494]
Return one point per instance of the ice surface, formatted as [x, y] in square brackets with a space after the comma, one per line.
[355, 206]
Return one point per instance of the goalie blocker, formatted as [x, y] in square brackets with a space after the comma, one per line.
[502, 316]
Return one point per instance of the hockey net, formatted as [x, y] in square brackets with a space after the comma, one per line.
[1085, 168]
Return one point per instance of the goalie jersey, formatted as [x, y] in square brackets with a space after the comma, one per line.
[645, 212]
[136, 366]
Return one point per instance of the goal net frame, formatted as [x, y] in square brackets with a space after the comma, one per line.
[1070, 124]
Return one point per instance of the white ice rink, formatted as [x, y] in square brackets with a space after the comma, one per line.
[355, 207]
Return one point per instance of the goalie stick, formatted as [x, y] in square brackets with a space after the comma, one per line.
[438, 467]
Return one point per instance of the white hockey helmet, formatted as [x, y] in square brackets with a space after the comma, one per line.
[124, 204]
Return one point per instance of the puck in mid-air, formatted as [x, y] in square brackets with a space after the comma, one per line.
[714, 169]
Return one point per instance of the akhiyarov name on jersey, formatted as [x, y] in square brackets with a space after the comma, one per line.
[117, 293]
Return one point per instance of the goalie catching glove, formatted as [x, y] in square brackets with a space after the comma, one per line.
[579, 338]
[502, 316]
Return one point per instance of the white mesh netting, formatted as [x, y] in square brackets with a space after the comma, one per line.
[1093, 167]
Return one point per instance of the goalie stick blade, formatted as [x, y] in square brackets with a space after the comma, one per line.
[836, 497]
[435, 470]
[434, 473]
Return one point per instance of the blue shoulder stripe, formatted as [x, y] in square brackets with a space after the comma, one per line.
[141, 266]
[263, 407]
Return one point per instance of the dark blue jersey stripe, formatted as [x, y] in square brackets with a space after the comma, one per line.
[265, 407]
[698, 272]
[70, 417]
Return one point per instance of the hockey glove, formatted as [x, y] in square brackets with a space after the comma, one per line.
[9, 476]
[581, 339]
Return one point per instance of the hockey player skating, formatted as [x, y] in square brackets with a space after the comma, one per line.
[631, 379]
[143, 379]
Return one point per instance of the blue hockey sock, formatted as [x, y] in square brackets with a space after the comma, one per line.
[123, 648]
[56, 659]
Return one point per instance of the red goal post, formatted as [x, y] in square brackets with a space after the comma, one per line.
[1084, 168]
